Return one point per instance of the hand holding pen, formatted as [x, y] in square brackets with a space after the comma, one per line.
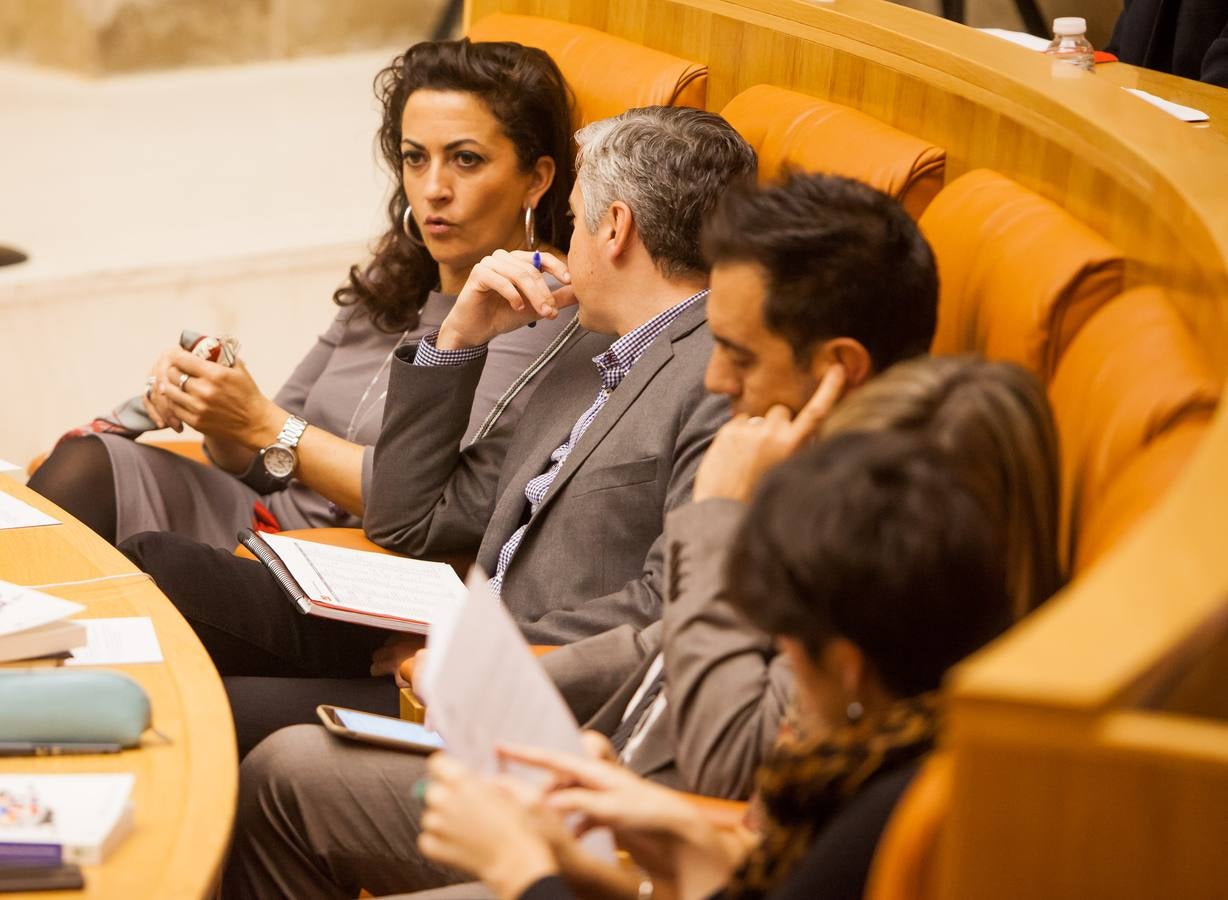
[505, 291]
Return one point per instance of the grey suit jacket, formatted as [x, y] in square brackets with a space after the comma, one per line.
[726, 686]
[591, 559]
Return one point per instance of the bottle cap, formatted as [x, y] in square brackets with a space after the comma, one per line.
[1069, 25]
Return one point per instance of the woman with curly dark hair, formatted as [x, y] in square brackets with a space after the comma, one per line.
[478, 138]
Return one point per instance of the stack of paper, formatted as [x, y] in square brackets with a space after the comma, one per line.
[33, 624]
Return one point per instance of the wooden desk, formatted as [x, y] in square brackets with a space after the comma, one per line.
[1209, 98]
[185, 789]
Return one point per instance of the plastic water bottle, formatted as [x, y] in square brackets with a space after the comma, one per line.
[1070, 44]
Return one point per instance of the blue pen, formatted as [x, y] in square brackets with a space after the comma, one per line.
[537, 264]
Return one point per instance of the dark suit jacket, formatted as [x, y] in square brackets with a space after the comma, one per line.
[592, 558]
[1185, 37]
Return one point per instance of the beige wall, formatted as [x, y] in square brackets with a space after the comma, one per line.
[109, 36]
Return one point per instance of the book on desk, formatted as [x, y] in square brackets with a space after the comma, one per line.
[51, 820]
[34, 624]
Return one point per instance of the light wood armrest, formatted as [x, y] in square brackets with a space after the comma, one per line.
[413, 709]
[349, 538]
[721, 813]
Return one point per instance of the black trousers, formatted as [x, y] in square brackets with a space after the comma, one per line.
[277, 664]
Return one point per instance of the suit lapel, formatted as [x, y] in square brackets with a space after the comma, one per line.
[574, 396]
[656, 358]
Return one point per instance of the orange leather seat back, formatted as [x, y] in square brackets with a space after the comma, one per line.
[788, 129]
[904, 867]
[1132, 376]
[1017, 275]
[1132, 494]
[608, 75]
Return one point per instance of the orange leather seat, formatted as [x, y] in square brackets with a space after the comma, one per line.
[607, 74]
[1131, 398]
[1017, 275]
[193, 450]
[904, 865]
[788, 129]
[1142, 482]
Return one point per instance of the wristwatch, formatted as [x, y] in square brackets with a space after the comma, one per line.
[279, 457]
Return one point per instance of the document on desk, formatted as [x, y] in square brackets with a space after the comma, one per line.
[16, 513]
[117, 642]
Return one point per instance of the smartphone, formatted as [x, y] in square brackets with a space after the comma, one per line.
[382, 730]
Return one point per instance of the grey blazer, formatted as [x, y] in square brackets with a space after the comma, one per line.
[591, 560]
[725, 685]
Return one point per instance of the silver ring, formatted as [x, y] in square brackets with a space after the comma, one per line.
[149, 386]
[755, 420]
[183, 382]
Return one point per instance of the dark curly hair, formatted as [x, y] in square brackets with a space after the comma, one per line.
[527, 94]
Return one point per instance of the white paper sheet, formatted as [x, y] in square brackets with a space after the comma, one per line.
[22, 608]
[117, 642]
[16, 513]
[6, 467]
[1184, 113]
[486, 689]
[1022, 38]
[370, 582]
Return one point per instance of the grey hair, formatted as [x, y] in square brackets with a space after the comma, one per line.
[670, 165]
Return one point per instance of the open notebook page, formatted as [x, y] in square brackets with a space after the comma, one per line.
[369, 582]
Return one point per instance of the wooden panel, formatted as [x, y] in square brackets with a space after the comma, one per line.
[1065, 787]
[186, 785]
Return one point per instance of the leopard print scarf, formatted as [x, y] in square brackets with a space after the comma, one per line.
[805, 783]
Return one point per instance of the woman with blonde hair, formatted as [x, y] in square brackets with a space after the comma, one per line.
[993, 419]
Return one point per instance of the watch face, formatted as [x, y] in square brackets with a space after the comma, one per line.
[279, 461]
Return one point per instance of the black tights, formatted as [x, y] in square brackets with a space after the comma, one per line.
[77, 477]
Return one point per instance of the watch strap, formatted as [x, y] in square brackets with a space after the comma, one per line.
[292, 431]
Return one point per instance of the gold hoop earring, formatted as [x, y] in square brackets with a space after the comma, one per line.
[407, 226]
[530, 230]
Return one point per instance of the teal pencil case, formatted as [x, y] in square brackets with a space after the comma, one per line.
[63, 706]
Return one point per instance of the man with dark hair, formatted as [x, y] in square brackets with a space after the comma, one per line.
[817, 283]
[815, 271]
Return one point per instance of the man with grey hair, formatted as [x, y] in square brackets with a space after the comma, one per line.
[565, 510]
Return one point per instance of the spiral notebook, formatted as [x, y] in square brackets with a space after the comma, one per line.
[372, 589]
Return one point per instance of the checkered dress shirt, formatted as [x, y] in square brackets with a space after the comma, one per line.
[614, 365]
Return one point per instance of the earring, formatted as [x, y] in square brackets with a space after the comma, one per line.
[407, 225]
[530, 231]
[854, 712]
